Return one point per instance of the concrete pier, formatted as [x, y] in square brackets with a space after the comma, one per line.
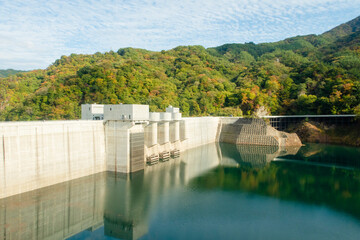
[124, 146]
[151, 134]
[163, 133]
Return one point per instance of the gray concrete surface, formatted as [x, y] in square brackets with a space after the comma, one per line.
[38, 154]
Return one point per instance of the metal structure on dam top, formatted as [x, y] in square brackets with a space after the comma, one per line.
[283, 122]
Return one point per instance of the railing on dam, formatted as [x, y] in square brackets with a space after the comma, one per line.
[283, 122]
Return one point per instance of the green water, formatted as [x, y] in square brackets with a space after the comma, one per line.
[212, 192]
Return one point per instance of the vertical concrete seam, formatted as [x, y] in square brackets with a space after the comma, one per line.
[18, 148]
[105, 145]
[64, 145]
[37, 152]
[94, 147]
[128, 150]
[43, 151]
[115, 148]
[4, 161]
[217, 139]
[68, 149]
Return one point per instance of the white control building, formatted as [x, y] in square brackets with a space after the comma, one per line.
[131, 112]
[92, 112]
[127, 112]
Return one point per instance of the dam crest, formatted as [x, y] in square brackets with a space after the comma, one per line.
[37, 154]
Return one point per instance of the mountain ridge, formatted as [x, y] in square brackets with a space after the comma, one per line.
[7, 72]
[344, 29]
[312, 74]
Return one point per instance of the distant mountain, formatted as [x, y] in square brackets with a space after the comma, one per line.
[345, 29]
[342, 36]
[8, 72]
[313, 74]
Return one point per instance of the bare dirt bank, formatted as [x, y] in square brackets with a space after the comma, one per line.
[320, 133]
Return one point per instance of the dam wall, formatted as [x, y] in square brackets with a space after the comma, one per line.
[39, 154]
[198, 131]
[42, 153]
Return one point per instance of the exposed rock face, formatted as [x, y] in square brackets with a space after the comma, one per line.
[311, 133]
[335, 134]
[255, 132]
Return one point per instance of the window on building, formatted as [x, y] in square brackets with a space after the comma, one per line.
[129, 116]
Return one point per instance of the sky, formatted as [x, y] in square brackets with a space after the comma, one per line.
[33, 34]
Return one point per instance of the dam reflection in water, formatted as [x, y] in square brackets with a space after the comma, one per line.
[214, 191]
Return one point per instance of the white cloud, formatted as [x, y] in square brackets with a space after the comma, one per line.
[35, 33]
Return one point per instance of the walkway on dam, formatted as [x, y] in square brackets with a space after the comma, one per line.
[283, 122]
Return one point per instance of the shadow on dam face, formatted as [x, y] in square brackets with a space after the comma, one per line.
[120, 205]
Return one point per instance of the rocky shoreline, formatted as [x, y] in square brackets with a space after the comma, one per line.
[315, 132]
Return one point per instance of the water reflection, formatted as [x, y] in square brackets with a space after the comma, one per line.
[130, 198]
[325, 154]
[126, 207]
[252, 155]
[316, 183]
[55, 212]
[135, 206]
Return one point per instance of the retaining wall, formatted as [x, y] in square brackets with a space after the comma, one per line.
[255, 132]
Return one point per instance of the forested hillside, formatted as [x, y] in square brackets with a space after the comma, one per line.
[314, 74]
[8, 72]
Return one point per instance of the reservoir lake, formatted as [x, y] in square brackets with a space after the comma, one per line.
[217, 191]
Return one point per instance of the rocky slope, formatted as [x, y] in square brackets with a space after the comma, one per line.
[320, 133]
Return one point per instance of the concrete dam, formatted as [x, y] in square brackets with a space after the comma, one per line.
[37, 154]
